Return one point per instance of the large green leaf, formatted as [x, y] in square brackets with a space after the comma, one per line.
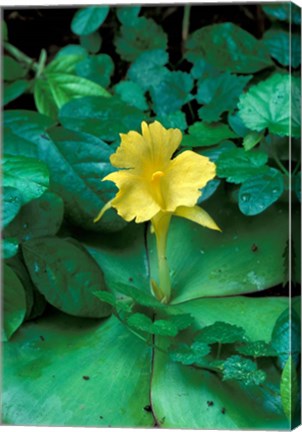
[283, 46]
[259, 192]
[66, 275]
[77, 163]
[219, 94]
[144, 36]
[246, 256]
[29, 176]
[89, 19]
[12, 91]
[273, 104]
[185, 397]
[131, 93]
[97, 69]
[54, 90]
[14, 303]
[96, 374]
[103, 117]
[202, 134]
[12, 202]
[229, 48]
[38, 218]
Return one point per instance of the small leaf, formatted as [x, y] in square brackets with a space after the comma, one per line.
[128, 15]
[132, 94]
[12, 70]
[289, 388]
[259, 192]
[238, 165]
[14, 90]
[12, 202]
[164, 328]
[284, 12]
[256, 349]
[89, 19]
[72, 49]
[174, 120]
[202, 134]
[144, 36]
[219, 94]
[244, 370]
[221, 332]
[97, 69]
[269, 105]
[14, 303]
[181, 321]
[29, 176]
[210, 188]
[214, 153]
[228, 48]
[106, 297]
[252, 139]
[140, 322]
[139, 296]
[189, 355]
[237, 125]
[284, 47]
[92, 42]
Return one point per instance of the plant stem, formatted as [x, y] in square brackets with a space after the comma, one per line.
[186, 23]
[280, 165]
[20, 56]
[297, 167]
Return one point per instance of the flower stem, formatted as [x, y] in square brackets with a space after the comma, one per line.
[161, 227]
[186, 22]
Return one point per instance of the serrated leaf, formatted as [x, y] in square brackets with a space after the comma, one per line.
[132, 94]
[106, 297]
[128, 15]
[189, 355]
[259, 192]
[66, 275]
[269, 105]
[285, 11]
[89, 19]
[228, 48]
[221, 332]
[256, 349]
[144, 36]
[164, 328]
[148, 69]
[92, 42]
[238, 165]
[237, 125]
[202, 134]
[244, 370]
[97, 69]
[289, 388]
[181, 321]
[12, 202]
[103, 117]
[29, 176]
[252, 139]
[139, 296]
[174, 120]
[172, 92]
[13, 90]
[14, 303]
[214, 153]
[140, 322]
[12, 70]
[202, 69]
[284, 47]
[219, 94]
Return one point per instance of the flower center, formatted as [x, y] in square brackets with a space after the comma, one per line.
[157, 176]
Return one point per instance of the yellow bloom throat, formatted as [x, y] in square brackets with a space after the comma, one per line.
[155, 186]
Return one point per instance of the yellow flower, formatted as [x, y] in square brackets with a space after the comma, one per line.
[150, 181]
[154, 186]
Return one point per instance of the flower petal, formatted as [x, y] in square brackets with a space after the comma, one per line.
[186, 175]
[133, 200]
[106, 207]
[130, 152]
[198, 215]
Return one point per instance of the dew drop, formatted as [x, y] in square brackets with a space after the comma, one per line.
[202, 252]
[246, 197]
[275, 191]
[36, 268]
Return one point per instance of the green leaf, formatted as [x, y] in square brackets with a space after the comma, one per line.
[256, 349]
[72, 49]
[289, 388]
[172, 92]
[214, 153]
[97, 69]
[132, 94]
[284, 12]
[259, 192]
[206, 192]
[174, 120]
[237, 125]
[189, 355]
[65, 64]
[14, 303]
[40, 217]
[219, 94]
[76, 361]
[245, 257]
[14, 90]
[10, 247]
[144, 36]
[29, 176]
[221, 332]
[202, 70]
[202, 134]
[286, 337]
[66, 275]
[92, 42]
[60, 88]
[12, 70]
[269, 105]
[88, 19]
[12, 202]
[283, 47]
[238, 165]
[140, 297]
[140, 322]
[252, 139]
[128, 15]
[244, 370]
[103, 117]
[106, 297]
[228, 48]
[148, 69]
